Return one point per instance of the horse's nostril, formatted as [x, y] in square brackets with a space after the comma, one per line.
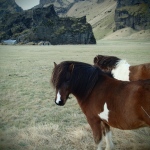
[60, 103]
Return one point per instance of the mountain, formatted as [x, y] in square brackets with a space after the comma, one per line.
[61, 6]
[9, 6]
[99, 13]
[43, 24]
[134, 14]
[106, 16]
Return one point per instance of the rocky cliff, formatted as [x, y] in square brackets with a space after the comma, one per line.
[133, 13]
[43, 24]
[99, 13]
[61, 6]
[8, 7]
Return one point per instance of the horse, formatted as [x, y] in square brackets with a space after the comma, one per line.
[105, 101]
[121, 69]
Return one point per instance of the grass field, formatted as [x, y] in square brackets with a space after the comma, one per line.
[29, 118]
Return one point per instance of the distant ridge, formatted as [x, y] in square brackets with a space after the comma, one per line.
[99, 13]
[43, 24]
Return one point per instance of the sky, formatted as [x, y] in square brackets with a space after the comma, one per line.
[27, 4]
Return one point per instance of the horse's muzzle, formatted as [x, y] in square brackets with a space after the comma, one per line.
[60, 103]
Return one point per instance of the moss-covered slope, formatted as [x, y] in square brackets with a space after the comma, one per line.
[134, 14]
[43, 24]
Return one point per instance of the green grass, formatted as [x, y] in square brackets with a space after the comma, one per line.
[29, 118]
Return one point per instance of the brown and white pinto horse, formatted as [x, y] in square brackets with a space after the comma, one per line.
[121, 70]
[105, 101]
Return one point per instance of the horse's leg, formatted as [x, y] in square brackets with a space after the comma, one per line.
[109, 143]
[99, 145]
[95, 124]
[107, 134]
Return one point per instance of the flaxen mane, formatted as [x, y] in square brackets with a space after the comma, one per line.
[106, 63]
[81, 79]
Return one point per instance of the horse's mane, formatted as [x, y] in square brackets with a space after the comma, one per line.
[82, 79]
[106, 63]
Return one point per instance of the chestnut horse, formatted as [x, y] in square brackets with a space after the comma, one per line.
[121, 70]
[105, 101]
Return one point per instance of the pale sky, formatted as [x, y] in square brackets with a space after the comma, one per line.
[27, 4]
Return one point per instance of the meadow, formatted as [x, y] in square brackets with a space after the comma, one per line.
[29, 118]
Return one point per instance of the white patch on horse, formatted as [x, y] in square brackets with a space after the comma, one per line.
[58, 98]
[121, 72]
[104, 115]
[100, 145]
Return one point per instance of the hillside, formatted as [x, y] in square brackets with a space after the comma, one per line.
[107, 16]
[99, 13]
[134, 14]
[129, 34]
[43, 24]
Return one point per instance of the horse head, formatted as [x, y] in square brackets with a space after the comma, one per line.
[61, 81]
[105, 63]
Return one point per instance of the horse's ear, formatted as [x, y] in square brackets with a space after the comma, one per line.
[71, 67]
[55, 64]
[96, 59]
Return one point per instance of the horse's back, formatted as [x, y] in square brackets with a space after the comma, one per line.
[140, 72]
[144, 102]
[144, 92]
[134, 101]
[146, 87]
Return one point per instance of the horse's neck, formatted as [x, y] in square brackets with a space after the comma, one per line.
[121, 71]
[104, 83]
